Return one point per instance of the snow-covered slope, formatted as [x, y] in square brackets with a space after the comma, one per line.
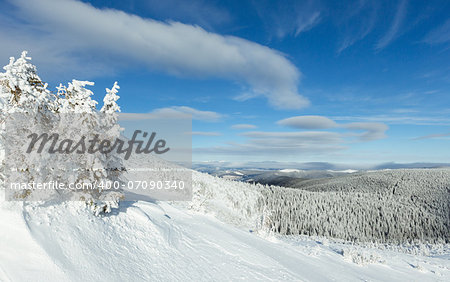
[160, 241]
[385, 206]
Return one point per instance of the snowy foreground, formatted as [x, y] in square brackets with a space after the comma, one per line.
[173, 242]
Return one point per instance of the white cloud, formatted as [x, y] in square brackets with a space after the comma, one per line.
[298, 144]
[184, 110]
[371, 130]
[205, 133]
[393, 31]
[308, 122]
[294, 139]
[65, 32]
[243, 126]
[175, 112]
[280, 144]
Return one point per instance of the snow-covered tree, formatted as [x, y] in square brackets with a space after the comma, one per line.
[25, 98]
[110, 101]
[111, 130]
[22, 89]
[70, 111]
[110, 127]
[76, 98]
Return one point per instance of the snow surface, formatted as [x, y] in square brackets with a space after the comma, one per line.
[146, 241]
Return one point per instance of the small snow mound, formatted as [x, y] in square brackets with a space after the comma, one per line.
[361, 257]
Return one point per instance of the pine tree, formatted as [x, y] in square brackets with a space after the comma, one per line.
[110, 99]
[25, 99]
[76, 98]
[71, 110]
[22, 89]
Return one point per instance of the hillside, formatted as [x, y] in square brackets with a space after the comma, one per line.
[393, 206]
[159, 241]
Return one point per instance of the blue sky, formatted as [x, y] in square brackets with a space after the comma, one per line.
[300, 81]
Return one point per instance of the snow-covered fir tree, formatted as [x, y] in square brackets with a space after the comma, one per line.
[21, 88]
[111, 130]
[110, 101]
[76, 98]
[22, 91]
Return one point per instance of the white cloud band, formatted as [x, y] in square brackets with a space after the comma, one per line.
[74, 28]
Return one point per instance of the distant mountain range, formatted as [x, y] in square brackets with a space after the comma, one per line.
[292, 174]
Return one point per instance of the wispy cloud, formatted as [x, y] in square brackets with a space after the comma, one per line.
[405, 110]
[430, 92]
[175, 112]
[205, 133]
[64, 33]
[357, 22]
[283, 18]
[440, 74]
[264, 147]
[306, 22]
[393, 119]
[290, 138]
[432, 136]
[243, 126]
[370, 130]
[394, 29]
[439, 35]
[301, 143]
[208, 116]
